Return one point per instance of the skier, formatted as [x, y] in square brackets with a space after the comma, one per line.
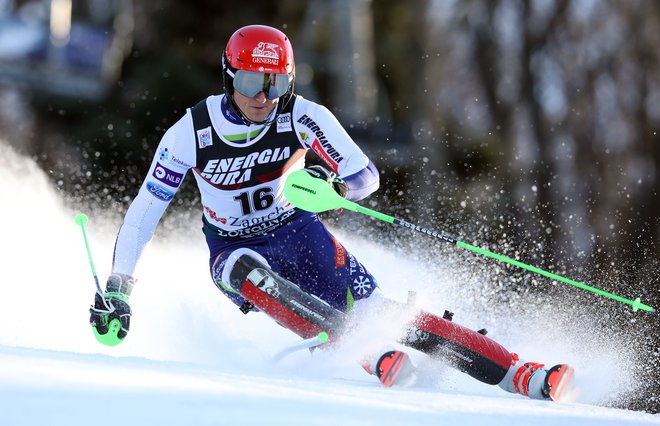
[265, 254]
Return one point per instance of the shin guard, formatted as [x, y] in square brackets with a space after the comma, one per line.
[282, 300]
[467, 350]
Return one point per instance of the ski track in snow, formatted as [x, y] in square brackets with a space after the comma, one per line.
[192, 358]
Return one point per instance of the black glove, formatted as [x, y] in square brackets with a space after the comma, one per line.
[115, 305]
[329, 176]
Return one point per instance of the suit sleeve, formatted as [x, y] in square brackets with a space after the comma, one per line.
[169, 166]
[319, 130]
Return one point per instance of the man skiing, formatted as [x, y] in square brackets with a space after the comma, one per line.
[265, 254]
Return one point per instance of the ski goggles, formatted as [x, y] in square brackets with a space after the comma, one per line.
[250, 84]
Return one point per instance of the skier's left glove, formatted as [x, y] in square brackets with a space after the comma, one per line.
[329, 176]
[110, 316]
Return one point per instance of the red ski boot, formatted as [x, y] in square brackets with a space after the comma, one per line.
[558, 382]
[393, 368]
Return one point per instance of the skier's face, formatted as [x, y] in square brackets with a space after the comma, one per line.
[256, 108]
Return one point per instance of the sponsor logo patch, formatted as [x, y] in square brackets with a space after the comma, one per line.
[176, 162]
[261, 228]
[284, 123]
[265, 53]
[321, 145]
[231, 171]
[164, 154]
[340, 254]
[362, 286]
[213, 215]
[355, 267]
[167, 176]
[159, 191]
[316, 147]
[204, 137]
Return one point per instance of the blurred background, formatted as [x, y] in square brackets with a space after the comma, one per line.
[526, 127]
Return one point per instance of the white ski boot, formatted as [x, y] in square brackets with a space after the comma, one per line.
[533, 380]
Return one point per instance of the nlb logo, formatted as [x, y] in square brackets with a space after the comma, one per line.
[167, 176]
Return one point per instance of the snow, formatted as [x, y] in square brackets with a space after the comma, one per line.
[192, 358]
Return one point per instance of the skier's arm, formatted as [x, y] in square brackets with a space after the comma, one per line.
[166, 173]
[362, 183]
[319, 130]
[137, 230]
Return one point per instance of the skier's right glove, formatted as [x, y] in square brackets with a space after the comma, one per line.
[329, 176]
[111, 315]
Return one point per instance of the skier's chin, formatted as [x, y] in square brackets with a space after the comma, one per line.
[257, 114]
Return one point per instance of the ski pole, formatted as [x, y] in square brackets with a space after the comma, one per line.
[312, 342]
[314, 195]
[110, 338]
[82, 219]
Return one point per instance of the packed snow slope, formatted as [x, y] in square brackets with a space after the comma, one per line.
[192, 358]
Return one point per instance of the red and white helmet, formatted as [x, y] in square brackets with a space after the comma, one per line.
[258, 57]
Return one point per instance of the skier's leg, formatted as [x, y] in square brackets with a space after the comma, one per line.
[318, 279]
[223, 256]
[282, 300]
[486, 360]
[319, 264]
[470, 352]
[302, 312]
[341, 281]
[467, 350]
